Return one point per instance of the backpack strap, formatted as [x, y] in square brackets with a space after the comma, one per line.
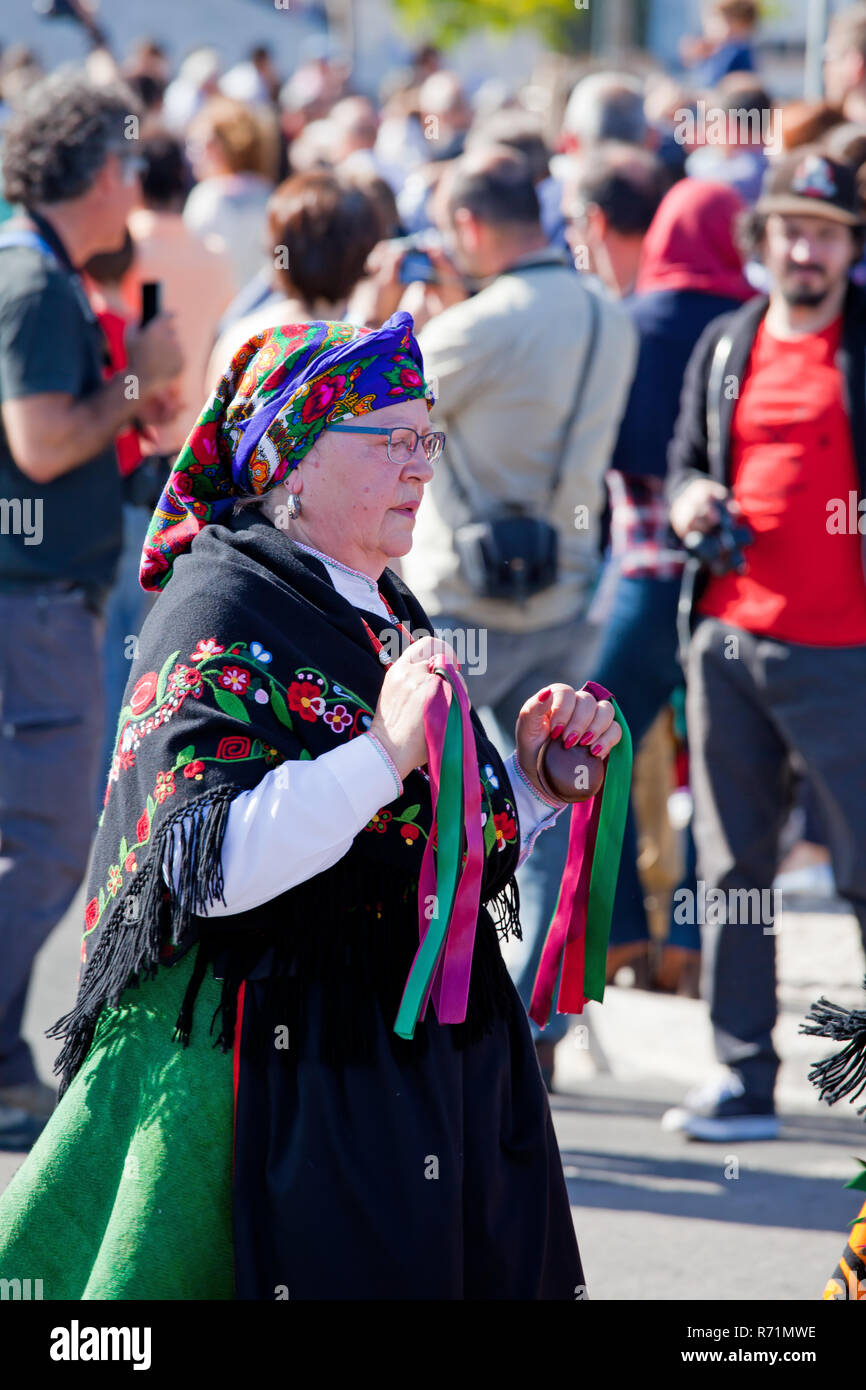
[577, 402]
[457, 473]
[24, 236]
[715, 382]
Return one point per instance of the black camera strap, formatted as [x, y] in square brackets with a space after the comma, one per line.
[715, 382]
[692, 568]
[462, 484]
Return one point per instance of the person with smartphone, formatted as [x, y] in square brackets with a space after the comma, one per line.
[73, 176]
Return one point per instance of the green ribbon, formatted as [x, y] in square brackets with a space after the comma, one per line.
[448, 821]
[605, 861]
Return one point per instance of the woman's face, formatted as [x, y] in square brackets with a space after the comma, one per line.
[356, 505]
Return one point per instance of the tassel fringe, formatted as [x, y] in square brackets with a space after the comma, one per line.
[352, 929]
[136, 931]
[843, 1075]
[505, 911]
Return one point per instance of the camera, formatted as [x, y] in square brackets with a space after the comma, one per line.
[417, 265]
[721, 549]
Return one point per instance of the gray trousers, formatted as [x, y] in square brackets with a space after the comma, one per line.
[50, 728]
[502, 670]
[753, 705]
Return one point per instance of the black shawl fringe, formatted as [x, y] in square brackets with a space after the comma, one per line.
[505, 911]
[843, 1075]
[136, 931]
[332, 952]
[327, 954]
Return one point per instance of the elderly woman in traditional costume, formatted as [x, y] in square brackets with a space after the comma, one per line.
[256, 879]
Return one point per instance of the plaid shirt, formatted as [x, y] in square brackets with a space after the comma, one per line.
[640, 535]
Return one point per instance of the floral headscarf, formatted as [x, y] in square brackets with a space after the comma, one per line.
[283, 389]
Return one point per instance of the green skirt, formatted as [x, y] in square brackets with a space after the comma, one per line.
[128, 1192]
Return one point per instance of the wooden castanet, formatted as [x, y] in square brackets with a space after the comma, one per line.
[569, 774]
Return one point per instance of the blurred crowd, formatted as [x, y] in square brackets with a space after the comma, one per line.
[565, 255]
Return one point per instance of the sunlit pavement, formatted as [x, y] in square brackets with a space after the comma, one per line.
[662, 1217]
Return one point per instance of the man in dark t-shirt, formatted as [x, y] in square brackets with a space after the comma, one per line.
[51, 343]
[70, 169]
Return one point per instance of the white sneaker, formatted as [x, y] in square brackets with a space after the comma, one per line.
[730, 1129]
[720, 1110]
[724, 1085]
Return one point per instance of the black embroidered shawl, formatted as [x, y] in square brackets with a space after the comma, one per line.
[250, 657]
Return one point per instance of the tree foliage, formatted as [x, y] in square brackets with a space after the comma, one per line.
[564, 24]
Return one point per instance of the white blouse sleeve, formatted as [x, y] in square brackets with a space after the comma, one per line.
[303, 816]
[534, 812]
[300, 819]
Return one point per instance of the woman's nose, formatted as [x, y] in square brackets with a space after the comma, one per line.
[419, 466]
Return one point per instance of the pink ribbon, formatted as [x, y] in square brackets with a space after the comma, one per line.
[449, 985]
[566, 938]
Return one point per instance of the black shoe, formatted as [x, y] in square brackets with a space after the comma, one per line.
[32, 1096]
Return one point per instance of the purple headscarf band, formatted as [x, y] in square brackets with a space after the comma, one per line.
[317, 364]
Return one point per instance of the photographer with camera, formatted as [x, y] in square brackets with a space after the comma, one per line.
[770, 441]
[532, 372]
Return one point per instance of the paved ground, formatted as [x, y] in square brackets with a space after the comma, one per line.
[658, 1217]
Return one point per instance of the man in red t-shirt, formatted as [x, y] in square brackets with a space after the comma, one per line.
[773, 424]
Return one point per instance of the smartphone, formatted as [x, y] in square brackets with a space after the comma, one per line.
[417, 265]
[150, 300]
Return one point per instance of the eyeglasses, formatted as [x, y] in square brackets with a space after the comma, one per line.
[402, 441]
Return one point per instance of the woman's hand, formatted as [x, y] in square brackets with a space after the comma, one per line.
[560, 711]
[398, 723]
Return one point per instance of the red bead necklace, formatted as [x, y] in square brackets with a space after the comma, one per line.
[379, 647]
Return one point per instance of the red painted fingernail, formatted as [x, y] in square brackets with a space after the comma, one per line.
[587, 738]
[554, 733]
[545, 694]
[595, 749]
[570, 741]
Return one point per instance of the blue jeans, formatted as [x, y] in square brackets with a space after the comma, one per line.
[50, 727]
[637, 661]
[746, 719]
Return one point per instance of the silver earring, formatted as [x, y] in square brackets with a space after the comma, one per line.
[293, 506]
